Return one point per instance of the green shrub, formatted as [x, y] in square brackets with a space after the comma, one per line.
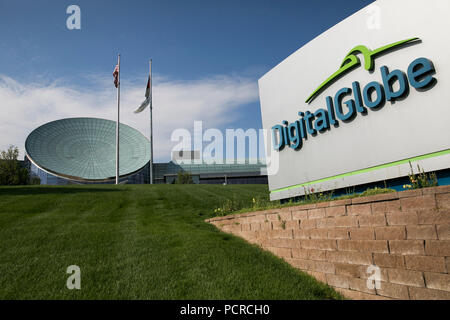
[35, 180]
[374, 191]
[313, 197]
[231, 206]
[421, 180]
[184, 178]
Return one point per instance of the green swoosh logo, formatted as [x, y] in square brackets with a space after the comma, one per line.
[351, 61]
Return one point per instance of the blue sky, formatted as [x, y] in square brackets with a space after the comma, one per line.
[198, 47]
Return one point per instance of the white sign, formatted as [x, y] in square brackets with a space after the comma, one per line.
[357, 103]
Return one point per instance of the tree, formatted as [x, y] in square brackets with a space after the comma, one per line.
[11, 172]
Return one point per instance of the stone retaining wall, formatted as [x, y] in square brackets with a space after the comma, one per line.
[404, 234]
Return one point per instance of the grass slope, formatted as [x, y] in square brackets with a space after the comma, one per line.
[136, 242]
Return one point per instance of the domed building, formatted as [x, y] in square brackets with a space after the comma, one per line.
[83, 150]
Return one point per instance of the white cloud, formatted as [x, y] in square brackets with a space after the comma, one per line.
[177, 104]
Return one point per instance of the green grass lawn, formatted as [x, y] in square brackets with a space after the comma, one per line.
[136, 242]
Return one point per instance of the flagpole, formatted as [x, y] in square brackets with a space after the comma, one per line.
[117, 124]
[151, 127]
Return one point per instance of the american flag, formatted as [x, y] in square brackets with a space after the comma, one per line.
[116, 76]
